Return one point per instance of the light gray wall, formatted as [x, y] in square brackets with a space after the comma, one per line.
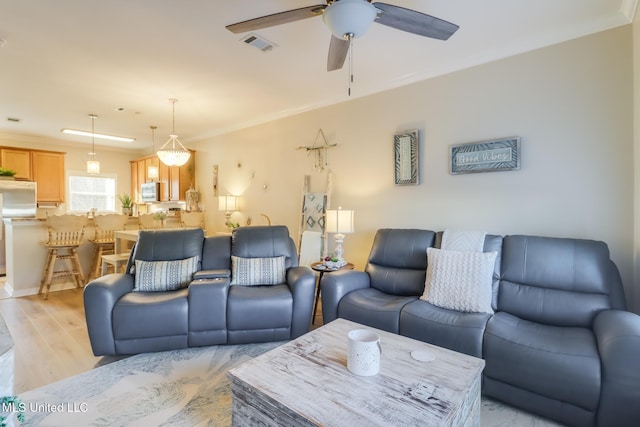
[570, 103]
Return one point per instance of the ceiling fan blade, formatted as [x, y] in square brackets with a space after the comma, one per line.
[338, 49]
[414, 22]
[277, 19]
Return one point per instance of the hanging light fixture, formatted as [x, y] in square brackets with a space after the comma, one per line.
[93, 166]
[349, 19]
[173, 153]
[152, 170]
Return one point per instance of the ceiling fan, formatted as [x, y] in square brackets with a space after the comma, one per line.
[349, 19]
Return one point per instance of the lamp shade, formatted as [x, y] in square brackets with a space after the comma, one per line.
[340, 221]
[227, 203]
[349, 18]
[174, 155]
[153, 173]
[93, 166]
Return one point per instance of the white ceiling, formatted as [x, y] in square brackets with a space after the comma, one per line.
[65, 59]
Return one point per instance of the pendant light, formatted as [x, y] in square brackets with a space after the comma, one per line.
[93, 166]
[173, 153]
[152, 170]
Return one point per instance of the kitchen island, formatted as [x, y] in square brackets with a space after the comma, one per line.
[26, 255]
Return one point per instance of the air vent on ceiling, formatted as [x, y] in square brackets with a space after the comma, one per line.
[258, 42]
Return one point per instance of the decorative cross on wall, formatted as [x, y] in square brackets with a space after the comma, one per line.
[319, 150]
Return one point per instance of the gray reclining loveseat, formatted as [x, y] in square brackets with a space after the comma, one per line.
[184, 290]
[559, 343]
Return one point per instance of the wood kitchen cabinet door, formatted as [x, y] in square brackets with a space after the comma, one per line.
[48, 172]
[17, 160]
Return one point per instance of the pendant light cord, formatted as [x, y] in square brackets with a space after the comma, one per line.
[153, 138]
[93, 135]
[350, 63]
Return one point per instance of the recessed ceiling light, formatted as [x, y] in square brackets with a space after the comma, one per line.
[120, 109]
[98, 135]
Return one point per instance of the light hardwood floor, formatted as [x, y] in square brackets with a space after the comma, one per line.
[50, 338]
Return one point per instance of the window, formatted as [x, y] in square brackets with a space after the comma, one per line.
[87, 192]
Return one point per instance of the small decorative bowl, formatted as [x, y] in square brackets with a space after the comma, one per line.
[331, 265]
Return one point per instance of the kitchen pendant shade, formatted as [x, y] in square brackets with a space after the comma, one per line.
[173, 153]
[152, 171]
[93, 167]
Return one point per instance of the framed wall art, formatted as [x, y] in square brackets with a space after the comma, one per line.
[486, 156]
[406, 160]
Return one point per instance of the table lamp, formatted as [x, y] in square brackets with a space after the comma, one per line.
[339, 222]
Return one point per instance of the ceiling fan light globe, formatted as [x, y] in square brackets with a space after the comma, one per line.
[349, 17]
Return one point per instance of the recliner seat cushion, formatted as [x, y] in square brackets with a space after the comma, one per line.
[561, 363]
[458, 331]
[374, 308]
[151, 314]
[259, 307]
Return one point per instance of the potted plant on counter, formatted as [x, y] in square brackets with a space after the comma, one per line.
[126, 202]
[7, 173]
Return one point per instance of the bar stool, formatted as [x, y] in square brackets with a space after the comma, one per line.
[104, 239]
[148, 222]
[66, 233]
[192, 219]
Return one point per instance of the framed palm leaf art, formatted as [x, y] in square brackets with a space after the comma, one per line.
[406, 160]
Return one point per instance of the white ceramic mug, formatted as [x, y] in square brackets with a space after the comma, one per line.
[364, 352]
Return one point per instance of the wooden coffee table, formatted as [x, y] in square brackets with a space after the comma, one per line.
[305, 382]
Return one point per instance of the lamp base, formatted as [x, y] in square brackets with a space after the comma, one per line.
[338, 251]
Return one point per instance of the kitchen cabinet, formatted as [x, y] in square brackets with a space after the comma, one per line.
[174, 181]
[17, 160]
[46, 168]
[48, 173]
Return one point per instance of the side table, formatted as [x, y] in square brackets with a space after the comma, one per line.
[321, 268]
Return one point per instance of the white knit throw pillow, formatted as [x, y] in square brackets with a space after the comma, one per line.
[459, 280]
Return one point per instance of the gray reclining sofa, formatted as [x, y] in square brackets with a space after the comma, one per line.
[207, 309]
[560, 343]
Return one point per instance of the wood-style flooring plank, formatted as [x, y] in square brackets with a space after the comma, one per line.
[50, 338]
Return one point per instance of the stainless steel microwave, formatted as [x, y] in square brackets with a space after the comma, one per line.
[150, 192]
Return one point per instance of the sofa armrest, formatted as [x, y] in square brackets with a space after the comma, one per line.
[100, 297]
[222, 273]
[336, 285]
[618, 336]
[302, 282]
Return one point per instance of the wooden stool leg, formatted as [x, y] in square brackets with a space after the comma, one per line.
[97, 261]
[45, 272]
[77, 269]
[52, 264]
